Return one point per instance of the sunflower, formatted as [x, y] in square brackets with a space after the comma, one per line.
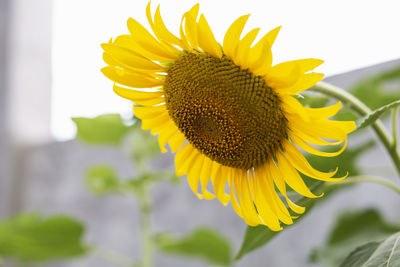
[231, 117]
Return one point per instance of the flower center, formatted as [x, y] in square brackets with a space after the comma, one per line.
[227, 113]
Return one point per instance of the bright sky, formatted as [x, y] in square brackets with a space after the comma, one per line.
[347, 34]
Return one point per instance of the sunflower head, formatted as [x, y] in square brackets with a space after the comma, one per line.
[232, 117]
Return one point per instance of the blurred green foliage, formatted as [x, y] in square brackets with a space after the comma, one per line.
[33, 238]
[352, 229]
[203, 243]
[102, 179]
[104, 129]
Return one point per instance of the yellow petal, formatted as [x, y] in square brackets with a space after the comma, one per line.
[111, 61]
[193, 12]
[305, 82]
[168, 130]
[296, 158]
[314, 139]
[271, 35]
[176, 141]
[142, 48]
[283, 75]
[234, 201]
[194, 174]
[191, 29]
[306, 147]
[159, 28]
[218, 179]
[292, 105]
[130, 79]
[243, 49]
[264, 203]
[205, 175]
[325, 112]
[280, 184]
[260, 57]
[184, 159]
[335, 130]
[151, 123]
[206, 38]
[264, 184]
[130, 58]
[248, 210]
[140, 97]
[148, 112]
[147, 41]
[232, 36]
[292, 177]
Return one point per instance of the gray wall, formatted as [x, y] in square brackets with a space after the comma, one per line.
[4, 170]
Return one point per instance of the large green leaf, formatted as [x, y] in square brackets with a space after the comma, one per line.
[203, 243]
[352, 229]
[376, 114]
[374, 254]
[107, 129]
[30, 237]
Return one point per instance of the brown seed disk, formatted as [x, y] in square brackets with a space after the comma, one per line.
[227, 113]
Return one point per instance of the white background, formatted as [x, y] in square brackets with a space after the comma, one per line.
[346, 34]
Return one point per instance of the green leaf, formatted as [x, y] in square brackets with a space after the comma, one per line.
[101, 179]
[203, 243]
[374, 115]
[107, 129]
[258, 236]
[385, 254]
[360, 255]
[30, 237]
[352, 229]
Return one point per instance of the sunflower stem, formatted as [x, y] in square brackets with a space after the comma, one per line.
[110, 256]
[394, 127]
[370, 179]
[145, 221]
[360, 108]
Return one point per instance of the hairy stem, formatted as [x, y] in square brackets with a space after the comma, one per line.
[360, 108]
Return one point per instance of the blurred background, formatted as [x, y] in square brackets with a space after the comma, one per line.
[50, 60]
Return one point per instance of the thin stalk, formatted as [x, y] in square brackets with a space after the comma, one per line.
[370, 179]
[112, 257]
[363, 110]
[145, 222]
[394, 127]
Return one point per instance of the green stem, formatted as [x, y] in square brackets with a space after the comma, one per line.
[115, 258]
[363, 110]
[370, 179]
[145, 221]
[394, 127]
